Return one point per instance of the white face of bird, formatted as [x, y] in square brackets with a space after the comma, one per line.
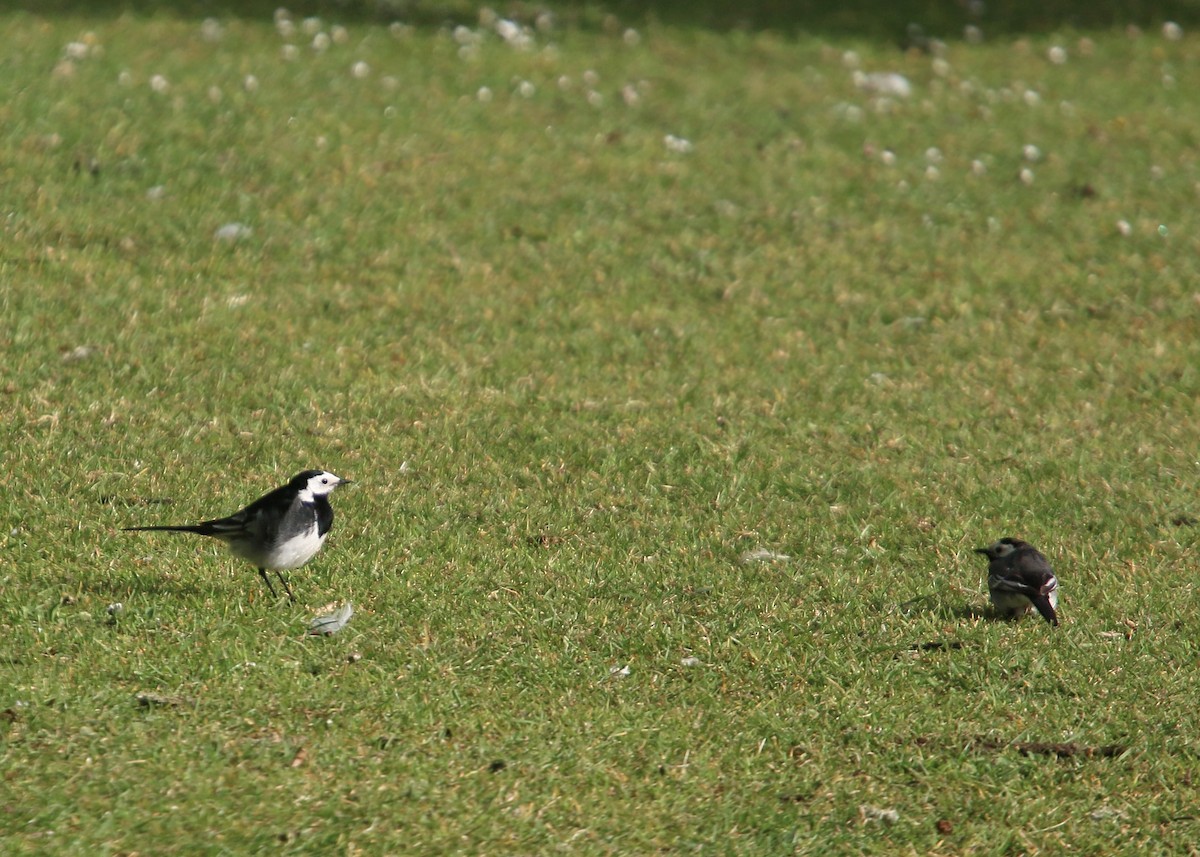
[1000, 549]
[323, 483]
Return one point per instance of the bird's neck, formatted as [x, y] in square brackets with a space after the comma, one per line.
[324, 512]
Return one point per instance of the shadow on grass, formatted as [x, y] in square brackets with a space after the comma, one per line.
[886, 21]
[934, 605]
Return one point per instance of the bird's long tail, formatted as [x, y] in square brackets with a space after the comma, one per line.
[1043, 605]
[183, 528]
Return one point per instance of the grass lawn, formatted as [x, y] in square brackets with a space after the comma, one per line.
[679, 371]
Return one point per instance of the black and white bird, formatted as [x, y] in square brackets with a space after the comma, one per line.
[281, 530]
[1020, 579]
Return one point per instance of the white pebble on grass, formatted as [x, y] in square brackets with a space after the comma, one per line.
[233, 232]
[79, 352]
[879, 814]
[320, 42]
[211, 30]
[250, 83]
[883, 83]
[1057, 55]
[1026, 176]
[159, 84]
[678, 145]
[484, 94]
[1031, 153]
[1172, 32]
[360, 70]
[763, 555]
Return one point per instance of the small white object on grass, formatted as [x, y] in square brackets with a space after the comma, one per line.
[619, 672]
[874, 813]
[79, 352]
[690, 662]
[679, 145]
[883, 83]
[331, 623]
[763, 555]
[233, 232]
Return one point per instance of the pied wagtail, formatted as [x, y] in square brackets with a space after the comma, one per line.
[1020, 578]
[281, 530]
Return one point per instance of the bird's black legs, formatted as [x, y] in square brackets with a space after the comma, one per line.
[262, 572]
[286, 588]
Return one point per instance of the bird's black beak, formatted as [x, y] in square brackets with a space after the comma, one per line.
[983, 551]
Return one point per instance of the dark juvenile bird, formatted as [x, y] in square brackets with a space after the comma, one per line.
[281, 530]
[1020, 578]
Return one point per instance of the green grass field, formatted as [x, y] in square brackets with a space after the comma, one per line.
[591, 313]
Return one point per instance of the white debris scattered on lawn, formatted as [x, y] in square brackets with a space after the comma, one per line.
[690, 662]
[763, 555]
[677, 144]
[333, 622]
[874, 813]
[79, 352]
[233, 232]
[883, 83]
[619, 672]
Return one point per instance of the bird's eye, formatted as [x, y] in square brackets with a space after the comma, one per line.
[324, 481]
